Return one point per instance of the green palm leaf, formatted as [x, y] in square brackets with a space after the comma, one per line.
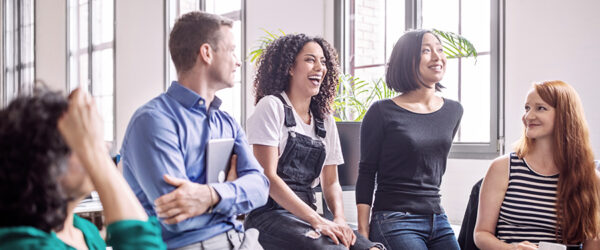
[455, 45]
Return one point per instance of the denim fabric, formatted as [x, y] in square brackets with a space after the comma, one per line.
[279, 229]
[401, 230]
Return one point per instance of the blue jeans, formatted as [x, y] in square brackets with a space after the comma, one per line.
[402, 230]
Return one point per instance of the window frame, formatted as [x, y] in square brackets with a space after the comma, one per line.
[90, 50]
[167, 56]
[459, 150]
[18, 70]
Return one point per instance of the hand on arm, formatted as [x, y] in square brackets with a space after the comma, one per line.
[189, 199]
[491, 195]
[81, 127]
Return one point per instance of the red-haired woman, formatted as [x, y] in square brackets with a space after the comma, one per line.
[548, 189]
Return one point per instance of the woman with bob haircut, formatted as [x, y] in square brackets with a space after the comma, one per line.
[52, 155]
[404, 146]
[548, 189]
[295, 139]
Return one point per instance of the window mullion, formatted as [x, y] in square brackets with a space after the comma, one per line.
[90, 48]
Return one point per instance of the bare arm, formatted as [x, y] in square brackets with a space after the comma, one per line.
[364, 213]
[491, 196]
[81, 127]
[267, 156]
[334, 196]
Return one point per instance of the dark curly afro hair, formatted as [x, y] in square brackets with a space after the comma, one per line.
[273, 74]
[33, 157]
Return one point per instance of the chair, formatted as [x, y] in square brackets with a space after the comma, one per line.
[465, 237]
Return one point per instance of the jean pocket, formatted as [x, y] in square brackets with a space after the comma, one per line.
[389, 215]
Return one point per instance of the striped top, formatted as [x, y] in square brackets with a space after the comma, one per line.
[528, 211]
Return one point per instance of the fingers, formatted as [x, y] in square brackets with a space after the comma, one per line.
[179, 218]
[166, 199]
[344, 237]
[168, 213]
[329, 233]
[173, 181]
[352, 237]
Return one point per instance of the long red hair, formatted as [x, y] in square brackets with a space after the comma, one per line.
[577, 194]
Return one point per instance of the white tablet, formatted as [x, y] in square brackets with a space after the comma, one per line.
[218, 153]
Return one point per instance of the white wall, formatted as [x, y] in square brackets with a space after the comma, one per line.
[552, 39]
[139, 62]
[50, 43]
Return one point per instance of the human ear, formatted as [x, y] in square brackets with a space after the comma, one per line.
[205, 53]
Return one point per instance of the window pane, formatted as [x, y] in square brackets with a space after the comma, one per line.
[395, 25]
[231, 100]
[440, 14]
[105, 107]
[102, 72]
[475, 92]
[450, 80]
[369, 32]
[370, 74]
[475, 19]
[186, 6]
[223, 6]
[82, 24]
[102, 14]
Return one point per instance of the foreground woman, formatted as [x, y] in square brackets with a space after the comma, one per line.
[52, 155]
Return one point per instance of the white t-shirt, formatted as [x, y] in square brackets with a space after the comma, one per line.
[266, 127]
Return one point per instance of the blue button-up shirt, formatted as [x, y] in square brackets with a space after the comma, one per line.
[168, 135]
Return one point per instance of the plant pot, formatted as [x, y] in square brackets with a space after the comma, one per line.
[350, 142]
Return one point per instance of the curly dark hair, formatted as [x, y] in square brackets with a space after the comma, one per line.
[273, 74]
[33, 157]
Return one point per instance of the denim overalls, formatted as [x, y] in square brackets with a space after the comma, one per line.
[300, 163]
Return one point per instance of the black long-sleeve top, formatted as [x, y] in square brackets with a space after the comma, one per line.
[406, 153]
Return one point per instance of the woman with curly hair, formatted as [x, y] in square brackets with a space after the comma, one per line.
[295, 139]
[404, 147]
[52, 155]
[548, 189]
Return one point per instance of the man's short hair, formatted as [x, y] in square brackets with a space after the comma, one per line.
[190, 31]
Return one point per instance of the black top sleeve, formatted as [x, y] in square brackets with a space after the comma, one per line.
[371, 134]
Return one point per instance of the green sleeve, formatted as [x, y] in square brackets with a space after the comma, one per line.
[135, 234]
[93, 240]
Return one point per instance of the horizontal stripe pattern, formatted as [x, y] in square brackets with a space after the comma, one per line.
[528, 211]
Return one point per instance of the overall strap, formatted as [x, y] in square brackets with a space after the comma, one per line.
[289, 113]
[319, 126]
[291, 122]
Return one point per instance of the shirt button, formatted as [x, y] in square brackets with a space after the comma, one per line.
[201, 102]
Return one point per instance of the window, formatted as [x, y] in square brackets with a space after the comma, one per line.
[232, 9]
[90, 48]
[18, 50]
[371, 27]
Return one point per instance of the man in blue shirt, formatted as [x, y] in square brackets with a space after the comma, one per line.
[165, 143]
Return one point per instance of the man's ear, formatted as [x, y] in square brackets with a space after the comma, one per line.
[206, 53]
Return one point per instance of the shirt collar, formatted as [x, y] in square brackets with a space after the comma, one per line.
[189, 98]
